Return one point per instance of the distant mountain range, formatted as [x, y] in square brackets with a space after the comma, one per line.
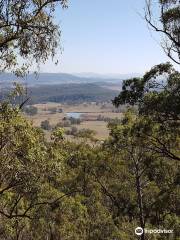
[6, 79]
[108, 75]
[63, 87]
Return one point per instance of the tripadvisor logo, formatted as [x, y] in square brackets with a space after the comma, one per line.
[139, 231]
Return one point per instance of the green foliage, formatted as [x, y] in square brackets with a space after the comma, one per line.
[27, 30]
[157, 93]
[66, 190]
[86, 133]
[58, 134]
[83, 189]
[148, 141]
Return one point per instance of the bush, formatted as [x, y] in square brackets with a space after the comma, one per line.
[73, 131]
[86, 133]
[45, 125]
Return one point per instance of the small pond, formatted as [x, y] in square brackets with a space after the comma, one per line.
[74, 114]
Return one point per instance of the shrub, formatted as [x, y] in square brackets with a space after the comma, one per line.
[45, 125]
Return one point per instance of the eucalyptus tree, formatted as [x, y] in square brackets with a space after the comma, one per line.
[163, 16]
[28, 32]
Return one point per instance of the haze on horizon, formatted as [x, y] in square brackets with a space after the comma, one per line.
[102, 38]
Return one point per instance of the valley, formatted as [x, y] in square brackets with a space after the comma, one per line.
[93, 116]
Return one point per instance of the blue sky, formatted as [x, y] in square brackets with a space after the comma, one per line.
[105, 36]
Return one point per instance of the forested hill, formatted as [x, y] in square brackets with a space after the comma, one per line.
[62, 87]
[82, 92]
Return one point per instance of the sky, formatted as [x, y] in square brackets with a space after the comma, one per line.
[105, 37]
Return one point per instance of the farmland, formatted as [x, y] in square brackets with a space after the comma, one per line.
[93, 116]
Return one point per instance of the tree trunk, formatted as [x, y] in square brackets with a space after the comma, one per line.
[140, 205]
